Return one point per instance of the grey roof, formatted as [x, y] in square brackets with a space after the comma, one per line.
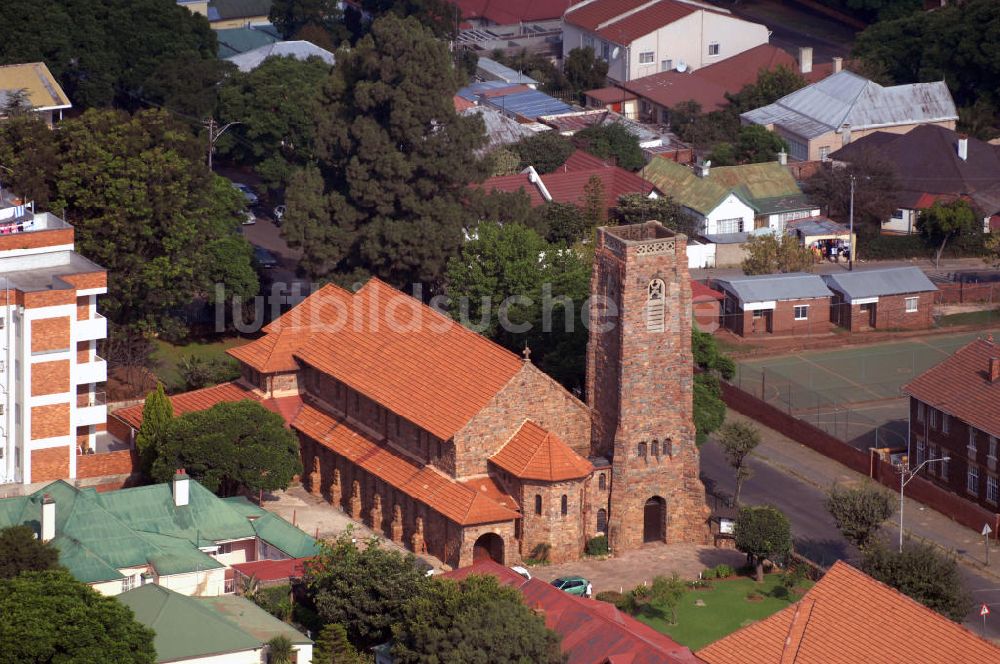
[492, 70]
[221, 10]
[500, 130]
[846, 98]
[233, 41]
[817, 226]
[876, 283]
[300, 50]
[521, 101]
[768, 287]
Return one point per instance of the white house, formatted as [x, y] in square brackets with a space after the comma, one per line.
[642, 37]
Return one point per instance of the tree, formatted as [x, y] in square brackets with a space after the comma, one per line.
[763, 533]
[595, 206]
[859, 511]
[16, 103]
[440, 17]
[564, 223]
[51, 617]
[755, 145]
[770, 253]
[545, 151]
[709, 410]
[157, 414]
[332, 647]
[474, 620]
[22, 551]
[666, 592]
[290, 17]
[28, 149]
[612, 140]
[230, 446]
[584, 71]
[394, 161]
[923, 573]
[280, 650]
[944, 221]
[704, 129]
[875, 186]
[738, 440]
[504, 161]
[639, 208]
[770, 86]
[363, 587]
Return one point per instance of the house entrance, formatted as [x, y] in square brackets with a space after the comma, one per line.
[654, 520]
[488, 547]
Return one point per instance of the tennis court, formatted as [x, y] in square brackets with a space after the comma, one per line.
[853, 394]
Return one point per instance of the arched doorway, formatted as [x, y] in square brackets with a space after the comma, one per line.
[654, 520]
[488, 547]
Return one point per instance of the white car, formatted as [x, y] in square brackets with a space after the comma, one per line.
[249, 218]
[247, 192]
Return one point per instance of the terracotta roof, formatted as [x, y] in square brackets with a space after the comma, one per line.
[591, 15]
[533, 453]
[569, 185]
[272, 353]
[960, 386]
[646, 21]
[493, 491]
[273, 570]
[448, 497]
[850, 618]
[581, 160]
[702, 292]
[288, 407]
[509, 12]
[590, 632]
[462, 104]
[610, 95]
[189, 402]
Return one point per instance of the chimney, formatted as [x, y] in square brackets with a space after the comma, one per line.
[838, 64]
[783, 158]
[805, 59]
[48, 518]
[845, 131]
[963, 147]
[704, 168]
[181, 488]
[994, 369]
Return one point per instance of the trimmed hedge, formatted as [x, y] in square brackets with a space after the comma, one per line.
[899, 247]
[597, 546]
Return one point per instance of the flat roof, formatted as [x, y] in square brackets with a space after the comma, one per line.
[38, 272]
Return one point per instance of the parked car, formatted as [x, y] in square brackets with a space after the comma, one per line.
[523, 571]
[247, 192]
[278, 213]
[574, 585]
[264, 258]
[249, 218]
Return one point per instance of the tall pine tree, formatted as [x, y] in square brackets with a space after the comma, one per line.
[156, 415]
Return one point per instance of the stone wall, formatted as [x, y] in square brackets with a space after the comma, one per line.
[562, 531]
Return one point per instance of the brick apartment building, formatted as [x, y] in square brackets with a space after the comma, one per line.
[451, 445]
[792, 303]
[897, 298]
[52, 406]
[955, 413]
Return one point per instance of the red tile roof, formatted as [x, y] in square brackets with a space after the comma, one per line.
[493, 491]
[450, 498]
[591, 632]
[273, 570]
[272, 353]
[288, 407]
[188, 402]
[700, 291]
[646, 21]
[960, 386]
[610, 95]
[591, 15]
[462, 104]
[509, 12]
[581, 160]
[850, 618]
[533, 453]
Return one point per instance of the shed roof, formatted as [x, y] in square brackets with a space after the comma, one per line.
[876, 283]
[501, 72]
[514, 99]
[40, 86]
[774, 287]
[500, 129]
[300, 50]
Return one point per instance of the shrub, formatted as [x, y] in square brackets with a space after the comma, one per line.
[612, 597]
[709, 573]
[275, 600]
[793, 576]
[699, 584]
[723, 571]
[597, 546]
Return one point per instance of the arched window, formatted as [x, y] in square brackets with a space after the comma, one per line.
[602, 482]
[668, 447]
[655, 305]
[538, 504]
[642, 450]
[565, 505]
[439, 449]
[656, 448]
[602, 520]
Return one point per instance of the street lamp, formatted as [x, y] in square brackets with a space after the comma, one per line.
[905, 475]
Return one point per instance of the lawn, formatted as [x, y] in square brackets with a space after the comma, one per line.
[726, 610]
[167, 356]
[986, 317]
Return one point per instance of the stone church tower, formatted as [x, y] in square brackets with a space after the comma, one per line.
[639, 386]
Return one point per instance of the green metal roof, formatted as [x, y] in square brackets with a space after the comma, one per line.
[233, 41]
[279, 533]
[229, 9]
[251, 619]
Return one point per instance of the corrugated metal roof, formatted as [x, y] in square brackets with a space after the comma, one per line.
[876, 283]
[768, 287]
[846, 97]
[519, 101]
[748, 182]
[233, 41]
[500, 130]
[493, 70]
[300, 50]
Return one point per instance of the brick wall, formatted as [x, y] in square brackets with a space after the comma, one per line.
[49, 377]
[50, 464]
[891, 312]
[37, 239]
[284, 382]
[564, 532]
[48, 298]
[87, 280]
[83, 307]
[119, 429]
[49, 421]
[49, 334]
[783, 319]
[122, 462]
[962, 293]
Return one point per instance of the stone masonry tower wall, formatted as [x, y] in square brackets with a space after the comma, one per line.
[639, 385]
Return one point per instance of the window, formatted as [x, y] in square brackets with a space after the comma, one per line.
[647, 57]
[398, 425]
[898, 214]
[972, 480]
[824, 153]
[758, 313]
[602, 520]
[666, 65]
[933, 453]
[642, 450]
[439, 449]
[920, 452]
[128, 583]
[656, 292]
[713, 48]
[792, 216]
[564, 505]
[945, 423]
[656, 448]
[920, 411]
[991, 488]
[668, 447]
[729, 225]
[971, 449]
[588, 41]
[993, 449]
[934, 418]
[538, 504]
[802, 312]
[911, 304]
[605, 50]
[602, 482]
[944, 468]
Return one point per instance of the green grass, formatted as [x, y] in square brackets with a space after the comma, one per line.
[971, 318]
[167, 356]
[726, 610]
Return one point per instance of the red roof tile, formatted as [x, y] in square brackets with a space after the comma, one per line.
[610, 95]
[509, 12]
[448, 497]
[273, 570]
[189, 402]
[493, 491]
[288, 407]
[960, 386]
[569, 186]
[581, 160]
[646, 21]
[850, 618]
[533, 453]
[703, 292]
[591, 15]
[462, 104]
[272, 353]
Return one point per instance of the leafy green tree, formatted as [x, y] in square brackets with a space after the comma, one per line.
[595, 207]
[280, 650]
[157, 415]
[723, 154]
[290, 17]
[702, 129]
[770, 86]
[51, 617]
[613, 140]
[440, 17]
[859, 511]
[709, 409]
[363, 587]
[763, 533]
[537, 66]
[22, 551]
[503, 207]
[922, 572]
[230, 446]
[394, 165]
[545, 151]
[564, 222]
[639, 208]
[738, 440]
[504, 161]
[188, 86]
[198, 372]
[475, 620]
[946, 221]
[875, 187]
[755, 145]
[771, 253]
[584, 71]
[332, 647]
[666, 593]
[16, 103]
[28, 149]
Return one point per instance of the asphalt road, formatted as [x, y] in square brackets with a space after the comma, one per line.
[813, 530]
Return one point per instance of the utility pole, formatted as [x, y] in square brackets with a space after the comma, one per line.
[213, 136]
[850, 239]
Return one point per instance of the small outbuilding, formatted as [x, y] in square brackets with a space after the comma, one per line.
[792, 303]
[890, 298]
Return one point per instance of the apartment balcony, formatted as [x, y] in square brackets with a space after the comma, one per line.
[95, 371]
[90, 329]
[91, 409]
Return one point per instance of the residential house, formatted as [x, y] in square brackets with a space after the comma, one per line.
[934, 163]
[52, 408]
[519, 102]
[210, 630]
[850, 618]
[488, 13]
[224, 14]
[568, 124]
[300, 50]
[896, 298]
[642, 37]
[955, 413]
[795, 303]
[825, 116]
[39, 87]
[179, 534]
[501, 130]
[591, 632]
[233, 41]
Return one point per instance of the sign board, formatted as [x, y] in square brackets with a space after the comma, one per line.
[726, 526]
[987, 530]
[984, 610]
